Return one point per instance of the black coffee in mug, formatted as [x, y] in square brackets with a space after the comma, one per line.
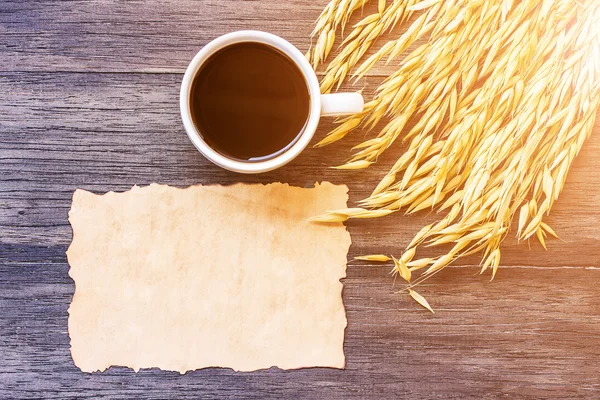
[250, 102]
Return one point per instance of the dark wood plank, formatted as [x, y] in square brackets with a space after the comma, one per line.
[156, 35]
[140, 36]
[529, 335]
[89, 99]
[105, 132]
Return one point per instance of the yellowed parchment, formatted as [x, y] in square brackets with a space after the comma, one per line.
[182, 279]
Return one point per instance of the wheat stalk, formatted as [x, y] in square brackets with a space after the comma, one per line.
[506, 94]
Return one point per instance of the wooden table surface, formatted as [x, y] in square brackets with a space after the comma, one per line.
[89, 99]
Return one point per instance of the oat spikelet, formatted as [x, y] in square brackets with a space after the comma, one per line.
[420, 299]
[374, 257]
[334, 16]
[362, 37]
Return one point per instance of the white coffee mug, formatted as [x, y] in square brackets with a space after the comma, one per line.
[321, 105]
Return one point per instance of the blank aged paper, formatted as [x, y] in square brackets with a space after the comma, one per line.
[182, 279]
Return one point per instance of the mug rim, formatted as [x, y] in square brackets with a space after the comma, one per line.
[251, 167]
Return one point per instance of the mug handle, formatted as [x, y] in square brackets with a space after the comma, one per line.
[339, 104]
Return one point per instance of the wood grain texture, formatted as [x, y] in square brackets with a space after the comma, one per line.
[89, 99]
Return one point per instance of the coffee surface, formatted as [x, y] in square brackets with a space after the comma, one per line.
[249, 101]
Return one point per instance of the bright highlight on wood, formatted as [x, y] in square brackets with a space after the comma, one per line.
[494, 107]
